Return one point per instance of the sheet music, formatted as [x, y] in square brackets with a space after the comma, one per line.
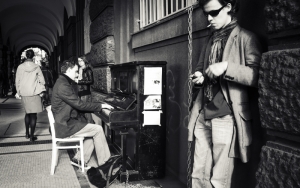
[152, 102]
[153, 80]
[152, 117]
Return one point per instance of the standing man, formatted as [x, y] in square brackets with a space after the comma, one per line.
[66, 106]
[220, 118]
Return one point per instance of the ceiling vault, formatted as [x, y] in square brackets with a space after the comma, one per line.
[33, 23]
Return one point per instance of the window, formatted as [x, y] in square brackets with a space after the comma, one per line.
[154, 10]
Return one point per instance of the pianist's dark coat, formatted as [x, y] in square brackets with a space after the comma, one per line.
[65, 107]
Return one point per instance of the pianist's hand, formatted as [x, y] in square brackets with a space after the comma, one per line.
[107, 106]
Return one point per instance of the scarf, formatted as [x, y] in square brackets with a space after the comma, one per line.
[219, 39]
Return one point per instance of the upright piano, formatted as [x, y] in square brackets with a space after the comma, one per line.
[137, 123]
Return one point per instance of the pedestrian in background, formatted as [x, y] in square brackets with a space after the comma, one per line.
[5, 81]
[85, 80]
[48, 82]
[30, 85]
[13, 81]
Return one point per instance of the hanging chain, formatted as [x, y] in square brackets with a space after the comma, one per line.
[189, 164]
[127, 177]
[190, 58]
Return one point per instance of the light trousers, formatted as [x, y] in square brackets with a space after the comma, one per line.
[212, 165]
[94, 139]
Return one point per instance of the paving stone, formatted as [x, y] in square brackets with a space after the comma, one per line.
[27, 164]
[33, 170]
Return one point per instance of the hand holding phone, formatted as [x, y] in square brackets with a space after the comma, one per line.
[197, 77]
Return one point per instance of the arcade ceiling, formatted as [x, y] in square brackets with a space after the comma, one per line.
[33, 22]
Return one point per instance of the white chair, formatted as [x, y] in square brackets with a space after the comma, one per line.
[56, 141]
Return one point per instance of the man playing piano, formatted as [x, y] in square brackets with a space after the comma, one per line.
[68, 122]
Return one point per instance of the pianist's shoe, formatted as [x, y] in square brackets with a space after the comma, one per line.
[77, 163]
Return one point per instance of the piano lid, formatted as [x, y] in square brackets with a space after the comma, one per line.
[134, 63]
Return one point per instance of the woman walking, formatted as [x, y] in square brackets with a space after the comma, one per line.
[30, 85]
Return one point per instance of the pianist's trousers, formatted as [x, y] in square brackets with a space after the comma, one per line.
[94, 138]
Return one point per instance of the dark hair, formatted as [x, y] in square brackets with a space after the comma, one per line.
[234, 4]
[43, 63]
[87, 64]
[65, 65]
[29, 54]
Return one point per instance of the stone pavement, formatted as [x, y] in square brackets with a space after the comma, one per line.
[26, 164]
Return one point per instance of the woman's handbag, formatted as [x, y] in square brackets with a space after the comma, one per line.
[39, 87]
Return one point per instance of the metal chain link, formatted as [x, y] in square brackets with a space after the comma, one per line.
[190, 49]
[127, 177]
[189, 164]
[190, 58]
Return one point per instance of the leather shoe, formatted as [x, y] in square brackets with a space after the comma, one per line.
[32, 139]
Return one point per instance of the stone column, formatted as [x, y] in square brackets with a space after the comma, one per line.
[1, 54]
[70, 32]
[279, 96]
[102, 52]
[8, 62]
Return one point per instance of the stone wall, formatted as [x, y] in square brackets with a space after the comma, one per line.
[279, 166]
[102, 80]
[102, 26]
[96, 7]
[102, 52]
[282, 15]
[279, 92]
[279, 98]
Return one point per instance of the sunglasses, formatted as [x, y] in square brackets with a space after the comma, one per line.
[213, 13]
